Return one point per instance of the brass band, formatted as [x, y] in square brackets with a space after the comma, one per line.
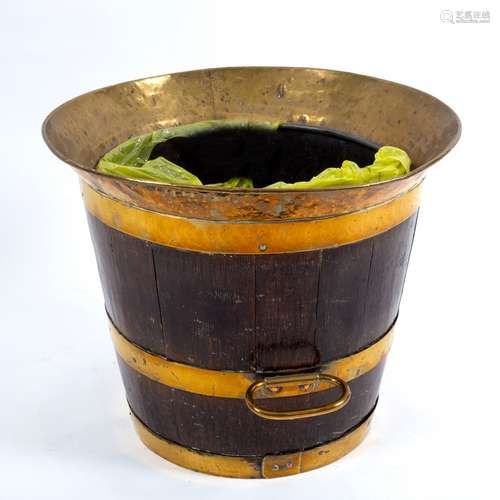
[271, 466]
[233, 384]
[249, 237]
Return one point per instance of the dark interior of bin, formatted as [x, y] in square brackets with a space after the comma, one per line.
[291, 153]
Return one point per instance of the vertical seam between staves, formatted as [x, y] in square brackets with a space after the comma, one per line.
[158, 301]
[317, 352]
[254, 362]
[368, 280]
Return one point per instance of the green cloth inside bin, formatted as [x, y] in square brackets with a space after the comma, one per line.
[131, 160]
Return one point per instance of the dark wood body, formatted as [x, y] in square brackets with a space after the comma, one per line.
[226, 426]
[259, 313]
[252, 312]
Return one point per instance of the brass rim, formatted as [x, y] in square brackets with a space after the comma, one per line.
[233, 384]
[249, 238]
[83, 129]
[204, 88]
[270, 466]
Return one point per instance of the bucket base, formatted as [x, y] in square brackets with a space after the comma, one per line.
[253, 467]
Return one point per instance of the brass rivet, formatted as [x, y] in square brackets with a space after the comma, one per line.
[274, 389]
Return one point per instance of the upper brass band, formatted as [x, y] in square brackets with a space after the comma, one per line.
[243, 237]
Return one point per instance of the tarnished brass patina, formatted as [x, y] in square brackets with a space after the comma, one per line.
[240, 237]
[83, 129]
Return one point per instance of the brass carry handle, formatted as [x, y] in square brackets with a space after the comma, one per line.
[292, 385]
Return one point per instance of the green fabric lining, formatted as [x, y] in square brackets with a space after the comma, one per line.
[131, 160]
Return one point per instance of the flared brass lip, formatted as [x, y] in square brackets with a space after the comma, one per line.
[197, 189]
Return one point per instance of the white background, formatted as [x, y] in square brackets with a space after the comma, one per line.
[64, 426]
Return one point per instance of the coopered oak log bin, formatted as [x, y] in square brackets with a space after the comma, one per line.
[252, 326]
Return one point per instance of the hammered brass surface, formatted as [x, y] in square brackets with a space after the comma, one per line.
[83, 129]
